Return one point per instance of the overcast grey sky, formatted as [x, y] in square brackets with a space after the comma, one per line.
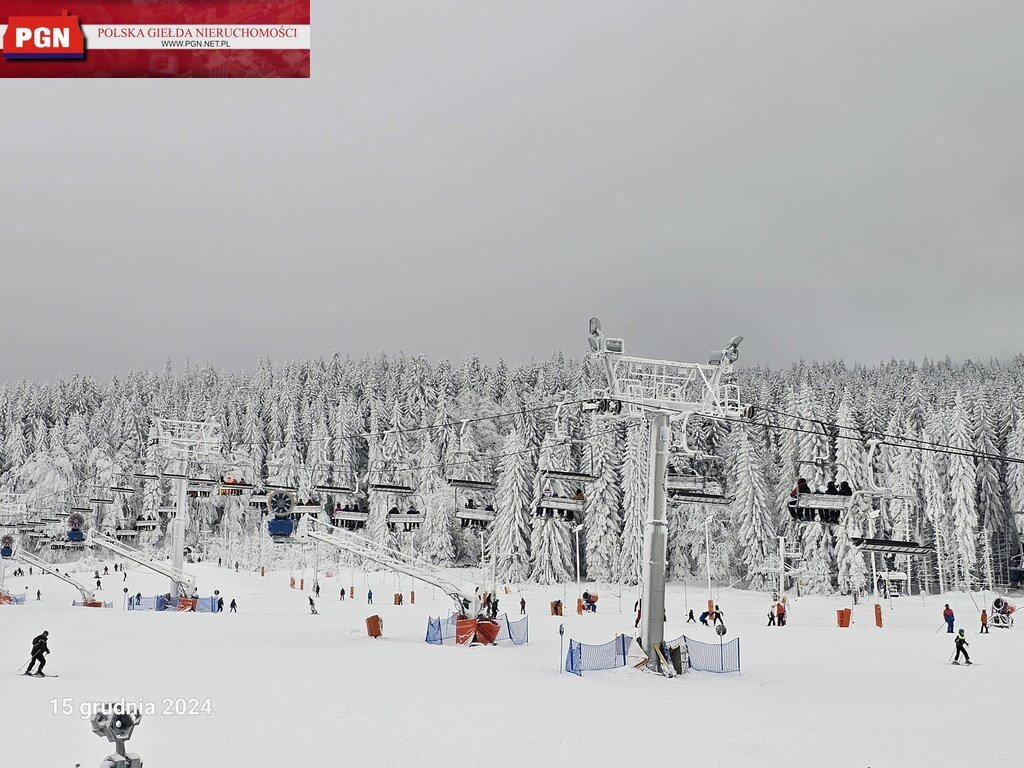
[830, 179]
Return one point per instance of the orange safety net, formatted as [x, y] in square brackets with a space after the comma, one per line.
[186, 604]
[6, 600]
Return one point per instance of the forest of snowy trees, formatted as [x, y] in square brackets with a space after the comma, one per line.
[309, 423]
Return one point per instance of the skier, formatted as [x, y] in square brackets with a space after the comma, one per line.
[343, 594]
[233, 608]
[369, 597]
[220, 605]
[718, 615]
[689, 618]
[106, 571]
[771, 617]
[39, 648]
[947, 616]
[636, 607]
[312, 606]
[984, 622]
[780, 612]
[961, 647]
[98, 584]
[522, 606]
[39, 595]
[316, 588]
[704, 618]
[125, 574]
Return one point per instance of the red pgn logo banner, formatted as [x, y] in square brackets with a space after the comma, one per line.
[157, 38]
[44, 37]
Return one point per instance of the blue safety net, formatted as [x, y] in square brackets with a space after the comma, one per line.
[587, 658]
[711, 657]
[206, 605]
[17, 599]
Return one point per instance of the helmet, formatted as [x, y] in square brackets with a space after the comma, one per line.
[961, 632]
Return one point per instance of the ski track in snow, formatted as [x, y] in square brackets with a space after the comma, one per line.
[288, 688]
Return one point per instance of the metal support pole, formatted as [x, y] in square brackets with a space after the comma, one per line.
[782, 566]
[178, 532]
[655, 538]
[579, 591]
[707, 552]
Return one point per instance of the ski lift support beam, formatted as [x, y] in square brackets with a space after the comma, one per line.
[392, 559]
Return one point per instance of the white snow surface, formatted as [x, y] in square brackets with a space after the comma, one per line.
[288, 688]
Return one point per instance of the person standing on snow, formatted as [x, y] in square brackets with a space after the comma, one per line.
[369, 597]
[233, 608]
[312, 605]
[39, 648]
[771, 617]
[960, 641]
[342, 594]
[984, 622]
[522, 606]
[689, 617]
[947, 616]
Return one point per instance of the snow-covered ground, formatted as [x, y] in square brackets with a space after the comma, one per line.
[287, 688]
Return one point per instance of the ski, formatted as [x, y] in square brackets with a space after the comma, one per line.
[33, 674]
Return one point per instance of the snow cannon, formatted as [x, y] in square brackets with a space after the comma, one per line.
[75, 524]
[1002, 613]
[1002, 605]
[281, 505]
[116, 723]
[7, 546]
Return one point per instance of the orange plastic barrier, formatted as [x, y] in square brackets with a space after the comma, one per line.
[6, 600]
[843, 616]
[302, 583]
[486, 631]
[374, 626]
[465, 631]
[579, 605]
[351, 591]
[95, 604]
[398, 598]
[291, 582]
[262, 571]
[878, 615]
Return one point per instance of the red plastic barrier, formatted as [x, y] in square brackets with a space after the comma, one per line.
[465, 631]
[878, 615]
[486, 631]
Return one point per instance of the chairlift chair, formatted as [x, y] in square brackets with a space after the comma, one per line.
[470, 513]
[351, 519]
[147, 524]
[891, 546]
[689, 486]
[406, 522]
[121, 482]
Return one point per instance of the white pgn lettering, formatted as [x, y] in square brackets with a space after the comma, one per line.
[42, 37]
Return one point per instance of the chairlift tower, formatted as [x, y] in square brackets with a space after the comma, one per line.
[182, 444]
[661, 391]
